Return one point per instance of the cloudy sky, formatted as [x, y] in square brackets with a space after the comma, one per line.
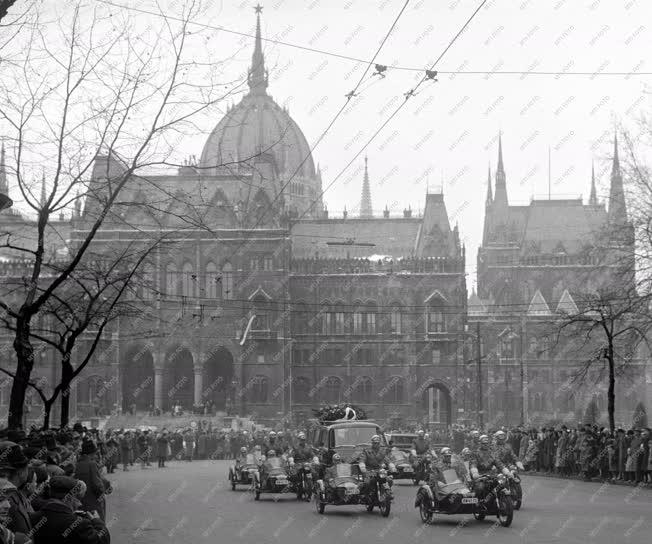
[446, 135]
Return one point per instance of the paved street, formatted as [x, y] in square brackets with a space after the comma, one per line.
[192, 503]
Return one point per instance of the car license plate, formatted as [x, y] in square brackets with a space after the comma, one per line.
[409, 469]
[351, 492]
[467, 500]
[281, 481]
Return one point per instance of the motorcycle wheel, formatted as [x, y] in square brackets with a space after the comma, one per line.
[232, 485]
[319, 504]
[479, 516]
[370, 507]
[307, 494]
[415, 480]
[518, 494]
[385, 506]
[425, 512]
[257, 495]
[505, 511]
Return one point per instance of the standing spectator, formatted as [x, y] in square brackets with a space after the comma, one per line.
[58, 523]
[6, 535]
[189, 445]
[202, 445]
[13, 480]
[162, 446]
[125, 449]
[88, 471]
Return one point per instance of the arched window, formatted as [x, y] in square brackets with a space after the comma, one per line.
[300, 318]
[369, 324]
[333, 390]
[436, 318]
[362, 391]
[149, 286]
[188, 279]
[301, 390]
[227, 281]
[170, 280]
[394, 319]
[326, 316]
[358, 318]
[394, 392]
[339, 318]
[259, 390]
[212, 281]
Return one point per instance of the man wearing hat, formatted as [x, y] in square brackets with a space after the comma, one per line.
[88, 471]
[58, 522]
[14, 470]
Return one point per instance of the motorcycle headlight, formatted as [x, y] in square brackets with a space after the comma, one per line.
[382, 473]
[392, 467]
[501, 479]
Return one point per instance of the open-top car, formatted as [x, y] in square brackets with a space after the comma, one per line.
[403, 469]
[241, 472]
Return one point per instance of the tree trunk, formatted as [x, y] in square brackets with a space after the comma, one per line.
[24, 364]
[611, 396]
[47, 410]
[66, 380]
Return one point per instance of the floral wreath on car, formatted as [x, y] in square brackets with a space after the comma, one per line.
[339, 412]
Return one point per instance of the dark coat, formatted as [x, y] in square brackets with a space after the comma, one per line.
[88, 472]
[63, 526]
[20, 510]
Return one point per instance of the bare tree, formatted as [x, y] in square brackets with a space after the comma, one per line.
[94, 99]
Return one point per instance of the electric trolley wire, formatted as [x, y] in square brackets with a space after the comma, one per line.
[350, 58]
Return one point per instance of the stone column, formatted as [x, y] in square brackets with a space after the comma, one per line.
[199, 381]
[159, 361]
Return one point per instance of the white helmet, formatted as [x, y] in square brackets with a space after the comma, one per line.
[375, 439]
[302, 436]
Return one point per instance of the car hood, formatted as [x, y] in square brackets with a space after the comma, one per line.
[349, 453]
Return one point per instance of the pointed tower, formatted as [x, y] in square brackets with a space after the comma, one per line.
[366, 211]
[490, 197]
[258, 78]
[501, 181]
[593, 199]
[617, 214]
[4, 186]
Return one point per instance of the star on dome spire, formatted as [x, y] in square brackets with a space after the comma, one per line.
[258, 77]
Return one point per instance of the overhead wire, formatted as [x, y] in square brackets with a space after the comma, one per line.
[390, 67]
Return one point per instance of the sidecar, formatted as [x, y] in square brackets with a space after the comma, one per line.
[242, 473]
[272, 478]
[403, 469]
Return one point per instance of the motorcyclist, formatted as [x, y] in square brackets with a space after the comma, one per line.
[373, 458]
[484, 459]
[420, 445]
[267, 466]
[473, 441]
[271, 442]
[301, 453]
[503, 450]
[445, 462]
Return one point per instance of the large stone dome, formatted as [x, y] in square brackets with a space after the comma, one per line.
[255, 126]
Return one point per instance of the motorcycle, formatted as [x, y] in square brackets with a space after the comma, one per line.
[242, 473]
[420, 465]
[403, 468]
[515, 488]
[347, 488]
[494, 498]
[378, 492]
[302, 480]
[450, 496]
[272, 478]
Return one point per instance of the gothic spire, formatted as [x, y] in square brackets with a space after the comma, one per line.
[501, 184]
[490, 196]
[593, 199]
[258, 78]
[4, 186]
[617, 213]
[366, 211]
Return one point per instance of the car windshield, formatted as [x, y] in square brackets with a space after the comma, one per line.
[354, 436]
[274, 462]
[398, 455]
[402, 439]
[343, 470]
